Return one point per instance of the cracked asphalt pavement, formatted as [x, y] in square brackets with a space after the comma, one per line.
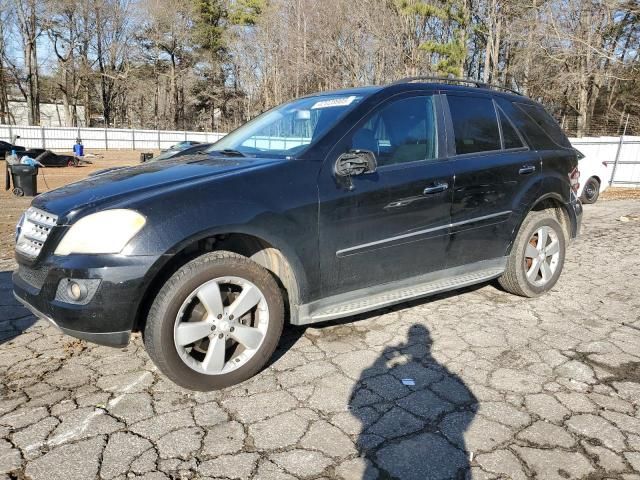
[505, 387]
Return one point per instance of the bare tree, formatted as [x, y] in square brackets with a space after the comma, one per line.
[216, 63]
[29, 16]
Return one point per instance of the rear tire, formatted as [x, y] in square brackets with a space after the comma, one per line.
[227, 283]
[537, 256]
[591, 191]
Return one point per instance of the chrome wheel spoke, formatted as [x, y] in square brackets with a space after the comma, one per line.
[553, 248]
[248, 336]
[248, 298]
[546, 272]
[210, 297]
[214, 359]
[531, 251]
[532, 273]
[189, 332]
[542, 238]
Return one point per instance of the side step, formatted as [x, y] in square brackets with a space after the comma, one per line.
[378, 297]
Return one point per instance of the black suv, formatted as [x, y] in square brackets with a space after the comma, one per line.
[328, 206]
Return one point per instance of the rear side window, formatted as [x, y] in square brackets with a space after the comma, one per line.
[546, 122]
[510, 137]
[475, 125]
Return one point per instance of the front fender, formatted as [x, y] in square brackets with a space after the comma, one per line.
[173, 226]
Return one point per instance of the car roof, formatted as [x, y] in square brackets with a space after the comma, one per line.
[419, 85]
[368, 90]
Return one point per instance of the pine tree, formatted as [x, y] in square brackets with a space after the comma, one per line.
[452, 20]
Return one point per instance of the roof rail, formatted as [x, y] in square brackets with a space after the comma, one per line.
[475, 83]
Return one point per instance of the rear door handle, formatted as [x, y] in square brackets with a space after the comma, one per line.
[527, 169]
[436, 188]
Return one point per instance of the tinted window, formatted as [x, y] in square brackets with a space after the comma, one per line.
[402, 131]
[545, 122]
[534, 135]
[509, 135]
[475, 126]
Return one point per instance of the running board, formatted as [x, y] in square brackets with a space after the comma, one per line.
[373, 298]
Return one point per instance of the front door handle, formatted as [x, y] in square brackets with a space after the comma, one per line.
[435, 188]
[527, 169]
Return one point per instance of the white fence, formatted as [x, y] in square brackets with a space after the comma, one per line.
[621, 154]
[63, 138]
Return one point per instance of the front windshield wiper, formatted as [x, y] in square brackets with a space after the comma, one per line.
[229, 152]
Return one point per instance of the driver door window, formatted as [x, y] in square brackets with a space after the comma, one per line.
[400, 132]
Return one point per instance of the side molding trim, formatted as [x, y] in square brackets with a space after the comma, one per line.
[365, 246]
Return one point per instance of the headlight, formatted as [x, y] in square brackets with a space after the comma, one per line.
[103, 232]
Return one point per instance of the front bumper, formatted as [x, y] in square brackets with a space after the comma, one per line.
[109, 317]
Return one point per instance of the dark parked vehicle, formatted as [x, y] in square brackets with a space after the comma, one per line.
[6, 148]
[180, 148]
[196, 148]
[325, 207]
[50, 159]
[182, 145]
[199, 148]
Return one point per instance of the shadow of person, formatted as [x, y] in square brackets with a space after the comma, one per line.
[412, 431]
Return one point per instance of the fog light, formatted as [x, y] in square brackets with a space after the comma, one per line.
[77, 291]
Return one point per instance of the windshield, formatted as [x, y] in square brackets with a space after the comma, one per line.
[288, 129]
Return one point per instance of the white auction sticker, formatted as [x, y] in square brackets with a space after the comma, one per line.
[334, 102]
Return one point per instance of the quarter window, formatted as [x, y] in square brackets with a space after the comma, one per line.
[546, 122]
[402, 131]
[475, 125]
[510, 137]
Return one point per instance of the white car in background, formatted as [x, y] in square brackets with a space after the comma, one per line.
[594, 178]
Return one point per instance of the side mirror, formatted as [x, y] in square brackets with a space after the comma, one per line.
[356, 162]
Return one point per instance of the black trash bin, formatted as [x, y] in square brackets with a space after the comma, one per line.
[144, 156]
[25, 180]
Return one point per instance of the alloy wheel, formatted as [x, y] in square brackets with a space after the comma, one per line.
[221, 325]
[542, 256]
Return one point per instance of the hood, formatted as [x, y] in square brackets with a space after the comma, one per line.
[116, 187]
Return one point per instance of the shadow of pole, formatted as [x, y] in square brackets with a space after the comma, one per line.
[412, 431]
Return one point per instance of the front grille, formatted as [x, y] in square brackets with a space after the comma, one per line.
[33, 276]
[34, 231]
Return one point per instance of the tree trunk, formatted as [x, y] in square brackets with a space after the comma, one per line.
[529, 50]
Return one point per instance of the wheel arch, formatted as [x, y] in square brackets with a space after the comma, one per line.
[553, 202]
[274, 256]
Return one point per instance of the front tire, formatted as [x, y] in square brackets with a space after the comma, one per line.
[537, 256]
[591, 191]
[215, 322]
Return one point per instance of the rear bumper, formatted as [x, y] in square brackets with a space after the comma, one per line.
[109, 316]
[574, 208]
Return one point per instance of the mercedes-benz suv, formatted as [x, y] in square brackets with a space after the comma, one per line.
[324, 207]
